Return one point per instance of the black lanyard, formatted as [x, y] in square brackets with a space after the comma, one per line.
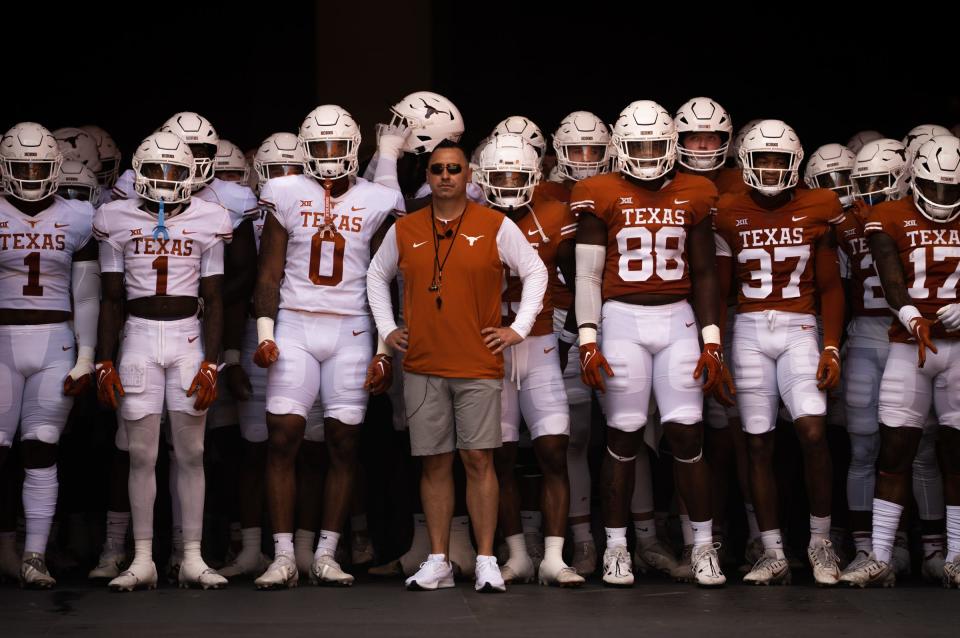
[438, 265]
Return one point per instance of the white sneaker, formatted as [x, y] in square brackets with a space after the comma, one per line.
[518, 571]
[584, 558]
[901, 557]
[245, 564]
[705, 565]
[111, 560]
[769, 570]
[559, 574]
[361, 549]
[869, 573]
[281, 574]
[34, 573]
[951, 573]
[683, 572]
[751, 554]
[432, 575]
[655, 557]
[489, 580]
[197, 572]
[137, 576]
[617, 568]
[326, 570]
[932, 567]
[824, 562]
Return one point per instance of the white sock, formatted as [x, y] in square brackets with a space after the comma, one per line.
[752, 523]
[662, 520]
[819, 529]
[553, 549]
[932, 543]
[191, 551]
[646, 532]
[702, 532]
[40, 488]
[251, 539]
[328, 543]
[440, 558]
[358, 523]
[953, 532]
[773, 542]
[686, 530]
[143, 550]
[581, 532]
[886, 518]
[863, 542]
[518, 547]
[303, 541]
[117, 523]
[283, 543]
[616, 536]
[530, 521]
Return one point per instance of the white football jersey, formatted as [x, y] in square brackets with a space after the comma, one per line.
[123, 187]
[238, 199]
[36, 253]
[326, 270]
[162, 266]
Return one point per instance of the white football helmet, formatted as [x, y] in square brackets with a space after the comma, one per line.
[646, 140]
[766, 138]
[196, 130]
[830, 167]
[475, 160]
[164, 168]
[524, 127]
[880, 171]
[30, 160]
[703, 115]
[78, 145]
[509, 170]
[738, 141]
[110, 155]
[587, 137]
[430, 118]
[331, 141]
[936, 178]
[78, 182]
[230, 158]
[920, 135]
[280, 149]
[861, 139]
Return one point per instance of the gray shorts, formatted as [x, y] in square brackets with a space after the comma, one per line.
[447, 414]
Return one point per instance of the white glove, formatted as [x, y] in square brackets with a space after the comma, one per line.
[391, 139]
[949, 316]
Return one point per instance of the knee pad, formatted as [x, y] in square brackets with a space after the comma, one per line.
[864, 450]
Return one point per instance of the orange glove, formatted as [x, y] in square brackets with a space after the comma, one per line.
[76, 387]
[711, 363]
[267, 352]
[920, 329]
[828, 370]
[108, 385]
[379, 374]
[592, 362]
[204, 385]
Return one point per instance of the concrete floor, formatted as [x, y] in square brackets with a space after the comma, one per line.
[377, 607]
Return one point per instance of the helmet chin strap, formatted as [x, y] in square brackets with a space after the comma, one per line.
[160, 228]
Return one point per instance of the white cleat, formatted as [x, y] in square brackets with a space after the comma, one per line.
[901, 556]
[245, 565]
[751, 554]
[683, 572]
[584, 558]
[197, 572]
[932, 568]
[769, 570]
[559, 574]
[518, 571]
[705, 565]
[617, 568]
[136, 576]
[655, 557]
[110, 564]
[432, 575]
[361, 549]
[859, 560]
[34, 573]
[869, 573]
[489, 580]
[281, 574]
[325, 570]
[825, 564]
[951, 574]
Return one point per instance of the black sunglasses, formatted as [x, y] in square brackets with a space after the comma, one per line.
[453, 169]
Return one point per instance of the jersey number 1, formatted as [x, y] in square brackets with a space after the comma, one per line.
[33, 287]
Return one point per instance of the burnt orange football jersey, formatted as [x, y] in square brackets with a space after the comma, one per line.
[554, 218]
[865, 286]
[646, 230]
[730, 180]
[930, 254]
[773, 250]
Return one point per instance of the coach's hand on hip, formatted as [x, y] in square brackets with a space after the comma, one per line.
[498, 339]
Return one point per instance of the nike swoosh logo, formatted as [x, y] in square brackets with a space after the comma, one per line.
[806, 327]
[532, 232]
[678, 202]
[65, 348]
[60, 225]
[796, 219]
[192, 339]
[689, 324]
[549, 350]
[188, 232]
[356, 332]
[417, 245]
[355, 209]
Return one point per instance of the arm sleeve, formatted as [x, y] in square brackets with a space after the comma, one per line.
[85, 285]
[383, 268]
[519, 255]
[111, 257]
[590, 260]
[211, 260]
